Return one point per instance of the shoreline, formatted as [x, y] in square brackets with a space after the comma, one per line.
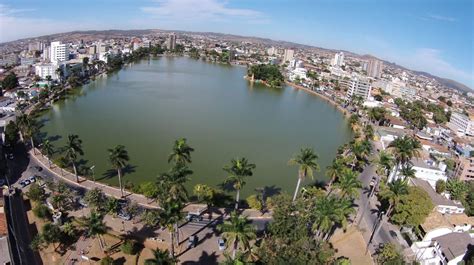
[324, 97]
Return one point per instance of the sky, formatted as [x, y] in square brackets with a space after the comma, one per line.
[435, 36]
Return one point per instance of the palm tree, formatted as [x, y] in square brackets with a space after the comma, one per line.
[348, 184]
[361, 149]
[169, 217]
[384, 162]
[48, 149]
[237, 231]
[161, 257]
[325, 214]
[118, 157]
[28, 128]
[393, 192]
[238, 170]
[306, 160]
[404, 149]
[95, 226]
[407, 171]
[181, 153]
[73, 149]
[334, 170]
[171, 185]
[369, 132]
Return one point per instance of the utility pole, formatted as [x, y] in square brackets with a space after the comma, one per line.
[382, 219]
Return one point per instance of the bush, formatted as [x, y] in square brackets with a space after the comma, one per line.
[36, 193]
[107, 261]
[254, 202]
[129, 247]
[440, 186]
[42, 211]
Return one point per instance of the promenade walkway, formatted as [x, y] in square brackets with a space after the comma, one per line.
[111, 191]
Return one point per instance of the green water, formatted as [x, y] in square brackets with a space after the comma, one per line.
[147, 105]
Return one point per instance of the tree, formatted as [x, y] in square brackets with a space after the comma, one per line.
[36, 193]
[149, 190]
[404, 149]
[181, 153]
[369, 132]
[169, 217]
[412, 208]
[407, 171]
[267, 73]
[27, 127]
[327, 212]
[457, 189]
[384, 163]
[129, 247]
[95, 226]
[255, 202]
[238, 231]
[306, 160]
[150, 218]
[73, 149]
[334, 171]
[112, 206]
[389, 254]
[51, 234]
[37, 243]
[107, 260]
[348, 184]
[95, 199]
[171, 184]
[42, 211]
[238, 170]
[119, 158]
[11, 134]
[204, 193]
[48, 149]
[161, 257]
[440, 186]
[10, 81]
[393, 192]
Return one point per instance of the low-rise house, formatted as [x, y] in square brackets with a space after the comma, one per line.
[429, 170]
[442, 204]
[448, 249]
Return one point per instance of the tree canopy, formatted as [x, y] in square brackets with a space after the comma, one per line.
[268, 73]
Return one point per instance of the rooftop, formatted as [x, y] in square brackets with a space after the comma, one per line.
[436, 198]
[439, 220]
[454, 244]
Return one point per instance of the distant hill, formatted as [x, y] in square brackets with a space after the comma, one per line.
[116, 33]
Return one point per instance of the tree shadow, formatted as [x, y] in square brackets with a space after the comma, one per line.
[226, 186]
[269, 191]
[112, 173]
[120, 261]
[205, 258]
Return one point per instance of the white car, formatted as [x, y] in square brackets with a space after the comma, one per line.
[221, 244]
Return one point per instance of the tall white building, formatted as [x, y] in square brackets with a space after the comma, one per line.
[272, 51]
[58, 52]
[338, 59]
[359, 87]
[288, 55]
[45, 70]
[461, 123]
[375, 68]
[171, 45]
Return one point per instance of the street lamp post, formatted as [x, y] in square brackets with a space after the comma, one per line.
[93, 175]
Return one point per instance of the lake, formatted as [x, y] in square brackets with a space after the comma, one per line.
[149, 104]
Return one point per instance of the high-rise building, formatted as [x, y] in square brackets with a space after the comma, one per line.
[338, 59]
[359, 87]
[92, 49]
[35, 46]
[58, 52]
[461, 123]
[171, 45]
[272, 51]
[375, 68]
[46, 54]
[288, 55]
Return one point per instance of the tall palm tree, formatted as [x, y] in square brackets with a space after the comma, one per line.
[384, 163]
[169, 217]
[118, 157]
[404, 149]
[181, 153]
[369, 132]
[73, 149]
[171, 185]
[161, 257]
[325, 214]
[28, 128]
[407, 171]
[48, 149]
[238, 170]
[393, 192]
[348, 184]
[238, 231]
[95, 226]
[306, 160]
[334, 171]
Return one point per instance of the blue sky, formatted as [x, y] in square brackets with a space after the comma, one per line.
[430, 35]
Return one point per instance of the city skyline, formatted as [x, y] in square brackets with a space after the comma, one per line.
[430, 36]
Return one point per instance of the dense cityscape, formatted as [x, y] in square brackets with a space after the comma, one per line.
[400, 192]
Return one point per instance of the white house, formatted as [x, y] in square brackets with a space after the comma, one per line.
[446, 249]
[442, 204]
[427, 170]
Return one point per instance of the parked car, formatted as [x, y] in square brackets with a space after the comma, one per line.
[32, 179]
[25, 183]
[221, 244]
[193, 217]
[192, 241]
[39, 168]
[373, 181]
[124, 216]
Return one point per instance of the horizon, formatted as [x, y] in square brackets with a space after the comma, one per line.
[435, 40]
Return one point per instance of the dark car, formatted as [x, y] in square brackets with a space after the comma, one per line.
[192, 241]
[193, 217]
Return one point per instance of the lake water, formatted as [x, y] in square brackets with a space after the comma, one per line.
[149, 104]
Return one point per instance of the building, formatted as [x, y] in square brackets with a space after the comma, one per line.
[46, 54]
[442, 204]
[45, 70]
[58, 52]
[374, 69]
[465, 169]
[288, 55]
[338, 59]
[103, 47]
[35, 46]
[359, 87]
[9, 60]
[462, 124]
[5, 251]
[92, 50]
[27, 61]
[272, 51]
[429, 170]
[171, 45]
[448, 249]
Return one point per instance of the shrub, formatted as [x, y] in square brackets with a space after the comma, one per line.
[42, 211]
[107, 261]
[440, 186]
[129, 247]
[254, 202]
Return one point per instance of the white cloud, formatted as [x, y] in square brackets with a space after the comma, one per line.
[431, 61]
[442, 18]
[201, 10]
[21, 23]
